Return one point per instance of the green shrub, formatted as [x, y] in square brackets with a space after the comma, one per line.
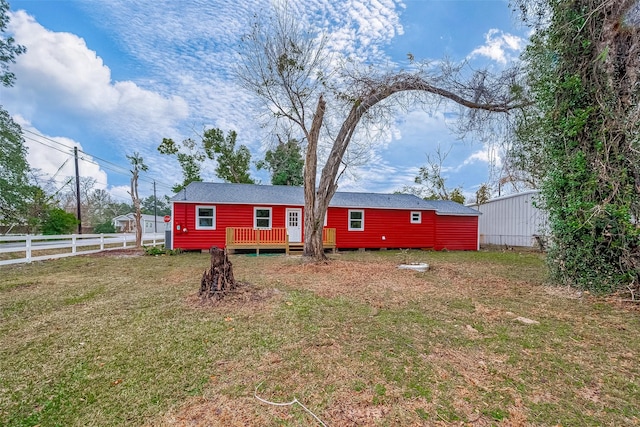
[160, 250]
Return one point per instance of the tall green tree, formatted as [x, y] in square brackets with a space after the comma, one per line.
[38, 205]
[189, 158]
[483, 195]
[583, 63]
[9, 49]
[160, 206]
[233, 163]
[14, 183]
[285, 163]
[14, 169]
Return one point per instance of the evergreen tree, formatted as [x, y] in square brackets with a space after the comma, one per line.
[285, 163]
[14, 185]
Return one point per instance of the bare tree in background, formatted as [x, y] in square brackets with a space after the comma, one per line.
[137, 166]
[431, 182]
[292, 71]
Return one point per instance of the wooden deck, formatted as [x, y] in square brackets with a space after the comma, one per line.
[272, 238]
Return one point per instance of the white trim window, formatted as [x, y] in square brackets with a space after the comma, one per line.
[205, 217]
[416, 217]
[356, 220]
[262, 217]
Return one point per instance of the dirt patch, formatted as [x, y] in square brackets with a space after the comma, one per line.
[244, 295]
[218, 411]
[119, 253]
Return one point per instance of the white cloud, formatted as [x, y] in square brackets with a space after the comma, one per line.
[379, 176]
[186, 50]
[121, 193]
[489, 154]
[53, 157]
[499, 46]
[60, 76]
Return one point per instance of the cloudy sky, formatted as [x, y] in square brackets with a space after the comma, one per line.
[113, 77]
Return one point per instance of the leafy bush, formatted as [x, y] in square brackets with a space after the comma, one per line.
[57, 221]
[106, 227]
[586, 124]
[160, 250]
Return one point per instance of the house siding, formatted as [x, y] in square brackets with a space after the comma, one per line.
[394, 225]
[456, 233]
[434, 231]
[184, 214]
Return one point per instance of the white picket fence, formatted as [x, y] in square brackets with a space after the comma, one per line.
[39, 247]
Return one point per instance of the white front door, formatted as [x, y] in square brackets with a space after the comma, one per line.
[294, 225]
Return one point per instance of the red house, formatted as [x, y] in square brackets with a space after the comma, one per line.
[209, 214]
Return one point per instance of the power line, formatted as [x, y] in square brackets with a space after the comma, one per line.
[48, 146]
[106, 164]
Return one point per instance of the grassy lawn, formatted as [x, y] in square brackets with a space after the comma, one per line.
[123, 340]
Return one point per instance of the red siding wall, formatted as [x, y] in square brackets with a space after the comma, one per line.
[394, 225]
[184, 214]
[439, 232]
[457, 233]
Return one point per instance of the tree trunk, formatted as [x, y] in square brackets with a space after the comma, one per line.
[312, 227]
[218, 279]
[138, 217]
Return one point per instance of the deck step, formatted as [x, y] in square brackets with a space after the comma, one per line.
[296, 248]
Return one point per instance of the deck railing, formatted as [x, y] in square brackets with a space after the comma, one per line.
[256, 236]
[329, 238]
[271, 238]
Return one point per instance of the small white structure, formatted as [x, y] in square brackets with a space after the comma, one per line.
[512, 220]
[127, 223]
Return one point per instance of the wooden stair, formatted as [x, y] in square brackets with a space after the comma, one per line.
[296, 248]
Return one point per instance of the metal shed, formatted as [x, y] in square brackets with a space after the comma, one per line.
[512, 220]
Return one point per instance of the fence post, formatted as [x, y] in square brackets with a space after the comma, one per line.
[73, 243]
[27, 246]
[102, 241]
[124, 241]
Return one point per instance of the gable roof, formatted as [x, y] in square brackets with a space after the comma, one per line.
[447, 207]
[226, 193]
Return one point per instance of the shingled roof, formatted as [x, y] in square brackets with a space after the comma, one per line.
[225, 193]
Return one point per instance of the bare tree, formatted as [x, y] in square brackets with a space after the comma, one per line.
[292, 72]
[431, 183]
[137, 165]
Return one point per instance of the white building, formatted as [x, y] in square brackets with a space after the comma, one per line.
[127, 223]
[512, 220]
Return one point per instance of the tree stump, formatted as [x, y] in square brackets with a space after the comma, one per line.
[218, 279]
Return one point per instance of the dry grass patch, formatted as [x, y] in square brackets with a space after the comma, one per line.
[107, 341]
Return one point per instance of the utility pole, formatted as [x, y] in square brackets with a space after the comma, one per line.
[155, 208]
[75, 155]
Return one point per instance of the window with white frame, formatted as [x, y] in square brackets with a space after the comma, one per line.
[262, 217]
[416, 217]
[356, 220]
[205, 217]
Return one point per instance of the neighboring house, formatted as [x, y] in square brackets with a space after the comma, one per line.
[127, 223]
[512, 220]
[203, 213]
